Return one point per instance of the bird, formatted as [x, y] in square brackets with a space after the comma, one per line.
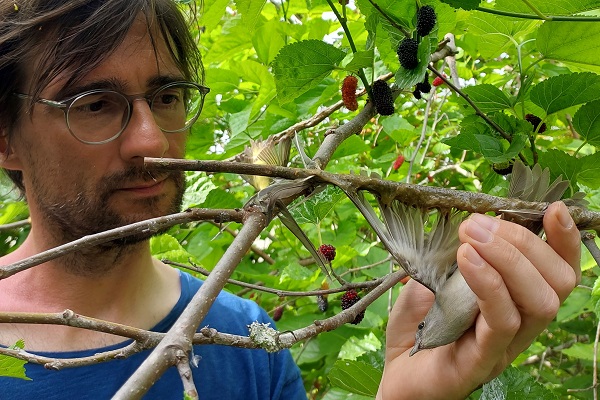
[424, 243]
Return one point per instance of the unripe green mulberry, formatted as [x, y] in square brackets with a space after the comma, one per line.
[383, 98]
[407, 53]
[425, 20]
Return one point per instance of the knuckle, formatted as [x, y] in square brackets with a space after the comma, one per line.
[548, 308]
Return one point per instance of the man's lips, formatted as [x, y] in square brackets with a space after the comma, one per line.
[146, 187]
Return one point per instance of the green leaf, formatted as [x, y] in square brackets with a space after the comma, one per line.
[497, 34]
[356, 347]
[564, 91]
[250, 10]
[570, 41]
[360, 59]
[587, 122]
[589, 173]
[464, 4]
[356, 377]
[517, 385]
[268, 40]
[13, 367]
[316, 207]
[488, 98]
[302, 65]
[583, 351]
[561, 163]
[353, 145]
[212, 13]
[549, 7]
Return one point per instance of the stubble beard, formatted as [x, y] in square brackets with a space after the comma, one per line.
[91, 213]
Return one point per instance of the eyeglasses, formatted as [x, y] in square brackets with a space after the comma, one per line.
[100, 116]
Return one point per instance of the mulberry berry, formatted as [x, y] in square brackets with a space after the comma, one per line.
[398, 163]
[383, 98]
[277, 313]
[407, 53]
[322, 303]
[424, 87]
[349, 92]
[328, 251]
[349, 299]
[437, 81]
[425, 20]
[535, 121]
[417, 94]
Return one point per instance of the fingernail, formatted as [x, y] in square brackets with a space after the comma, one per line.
[473, 257]
[564, 218]
[482, 228]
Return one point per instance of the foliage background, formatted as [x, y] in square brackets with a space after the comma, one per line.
[511, 62]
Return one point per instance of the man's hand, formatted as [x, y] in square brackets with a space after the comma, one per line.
[520, 282]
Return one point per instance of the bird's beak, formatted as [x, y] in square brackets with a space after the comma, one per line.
[414, 350]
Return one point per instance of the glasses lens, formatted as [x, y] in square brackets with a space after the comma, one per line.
[177, 106]
[98, 116]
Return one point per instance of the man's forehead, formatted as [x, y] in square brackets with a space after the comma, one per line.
[141, 59]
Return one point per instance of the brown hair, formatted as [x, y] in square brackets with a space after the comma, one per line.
[74, 37]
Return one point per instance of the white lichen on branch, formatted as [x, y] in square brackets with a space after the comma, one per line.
[264, 336]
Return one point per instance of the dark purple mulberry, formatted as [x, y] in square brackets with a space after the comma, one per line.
[349, 299]
[407, 53]
[425, 20]
[383, 98]
[535, 121]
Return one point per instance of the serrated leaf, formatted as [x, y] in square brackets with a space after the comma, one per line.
[488, 98]
[302, 65]
[13, 367]
[589, 174]
[583, 351]
[495, 34]
[517, 385]
[564, 91]
[212, 13]
[356, 377]
[586, 122]
[561, 163]
[570, 41]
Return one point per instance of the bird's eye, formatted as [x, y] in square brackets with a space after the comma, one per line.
[421, 325]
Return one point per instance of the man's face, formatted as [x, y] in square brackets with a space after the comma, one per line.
[79, 189]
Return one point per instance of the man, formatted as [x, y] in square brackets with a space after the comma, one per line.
[89, 88]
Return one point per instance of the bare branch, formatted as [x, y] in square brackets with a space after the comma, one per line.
[425, 196]
[148, 226]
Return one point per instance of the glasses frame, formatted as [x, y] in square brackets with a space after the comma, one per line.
[65, 106]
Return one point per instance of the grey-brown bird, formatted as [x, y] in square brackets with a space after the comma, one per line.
[427, 251]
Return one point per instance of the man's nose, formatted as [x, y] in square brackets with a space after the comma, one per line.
[142, 136]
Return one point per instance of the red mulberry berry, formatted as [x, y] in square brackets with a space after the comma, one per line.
[437, 81]
[407, 53]
[349, 299]
[425, 20]
[398, 163]
[383, 98]
[535, 121]
[328, 251]
[277, 313]
[349, 92]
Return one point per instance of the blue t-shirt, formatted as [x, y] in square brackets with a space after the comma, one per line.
[223, 372]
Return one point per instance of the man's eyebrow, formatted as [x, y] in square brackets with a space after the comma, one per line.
[160, 80]
[104, 84]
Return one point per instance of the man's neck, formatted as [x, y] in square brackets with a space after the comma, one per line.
[130, 287]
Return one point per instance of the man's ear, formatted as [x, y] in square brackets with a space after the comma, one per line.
[9, 158]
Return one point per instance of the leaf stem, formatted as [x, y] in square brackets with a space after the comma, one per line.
[573, 18]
